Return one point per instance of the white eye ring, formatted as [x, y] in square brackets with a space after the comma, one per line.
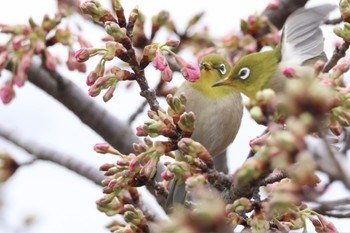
[222, 69]
[244, 73]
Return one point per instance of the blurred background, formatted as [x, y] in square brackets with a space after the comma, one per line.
[57, 200]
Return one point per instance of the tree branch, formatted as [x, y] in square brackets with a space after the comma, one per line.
[337, 208]
[43, 153]
[278, 16]
[114, 131]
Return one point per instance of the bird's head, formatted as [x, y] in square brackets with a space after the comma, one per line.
[251, 73]
[213, 67]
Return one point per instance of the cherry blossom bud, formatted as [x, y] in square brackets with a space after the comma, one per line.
[91, 78]
[190, 71]
[118, 33]
[167, 175]
[96, 11]
[160, 62]
[82, 55]
[104, 148]
[20, 77]
[140, 131]
[289, 72]
[344, 7]
[167, 74]
[109, 93]
[7, 93]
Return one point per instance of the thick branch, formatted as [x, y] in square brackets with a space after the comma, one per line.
[43, 153]
[110, 128]
[278, 16]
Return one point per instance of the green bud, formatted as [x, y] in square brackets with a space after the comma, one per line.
[250, 170]
[241, 205]
[344, 7]
[194, 20]
[186, 123]
[343, 32]
[118, 33]
[257, 114]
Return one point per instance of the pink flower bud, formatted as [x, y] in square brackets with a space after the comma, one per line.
[109, 93]
[289, 72]
[20, 77]
[191, 72]
[140, 131]
[91, 78]
[82, 55]
[104, 148]
[167, 74]
[7, 93]
[160, 61]
[71, 62]
[101, 148]
[167, 175]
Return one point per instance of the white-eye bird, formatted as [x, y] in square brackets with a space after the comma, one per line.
[301, 45]
[218, 112]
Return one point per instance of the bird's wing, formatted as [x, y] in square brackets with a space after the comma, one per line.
[302, 38]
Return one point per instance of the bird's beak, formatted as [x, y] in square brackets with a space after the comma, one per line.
[222, 82]
[205, 66]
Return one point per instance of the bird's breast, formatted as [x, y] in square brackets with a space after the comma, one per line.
[217, 120]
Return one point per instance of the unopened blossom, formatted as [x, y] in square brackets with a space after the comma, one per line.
[289, 72]
[95, 74]
[7, 93]
[190, 71]
[82, 55]
[167, 74]
[20, 77]
[160, 62]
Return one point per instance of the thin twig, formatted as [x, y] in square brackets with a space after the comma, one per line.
[333, 21]
[338, 53]
[274, 177]
[336, 208]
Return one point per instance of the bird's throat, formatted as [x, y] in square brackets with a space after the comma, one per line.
[204, 85]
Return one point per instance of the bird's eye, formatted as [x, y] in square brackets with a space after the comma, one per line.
[244, 73]
[222, 69]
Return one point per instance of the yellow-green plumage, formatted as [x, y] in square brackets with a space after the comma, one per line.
[301, 45]
[218, 113]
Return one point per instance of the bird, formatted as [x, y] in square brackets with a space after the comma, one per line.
[301, 45]
[218, 112]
